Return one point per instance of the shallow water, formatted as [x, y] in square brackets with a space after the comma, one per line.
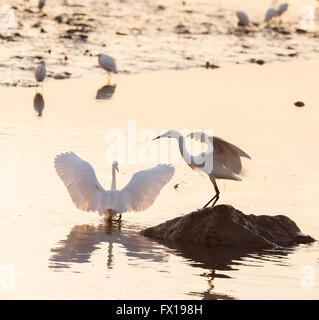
[59, 252]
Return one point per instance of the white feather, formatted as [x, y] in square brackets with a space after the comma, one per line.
[243, 18]
[88, 195]
[107, 62]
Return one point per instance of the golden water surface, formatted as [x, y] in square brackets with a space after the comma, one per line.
[59, 252]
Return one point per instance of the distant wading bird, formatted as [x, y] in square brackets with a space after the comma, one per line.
[271, 13]
[107, 63]
[88, 195]
[242, 19]
[222, 160]
[40, 72]
[41, 4]
[282, 8]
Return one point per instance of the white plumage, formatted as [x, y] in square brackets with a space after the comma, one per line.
[225, 156]
[271, 13]
[222, 159]
[88, 195]
[40, 71]
[107, 63]
[41, 4]
[282, 8]
[243, 18]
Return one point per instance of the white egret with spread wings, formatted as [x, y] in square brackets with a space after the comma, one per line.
[88, 195]
[221, 160]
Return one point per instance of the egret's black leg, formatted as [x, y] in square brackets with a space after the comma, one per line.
[209, 201]
[216, 197]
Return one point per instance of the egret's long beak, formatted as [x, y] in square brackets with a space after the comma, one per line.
[156, 138]
[117, 169]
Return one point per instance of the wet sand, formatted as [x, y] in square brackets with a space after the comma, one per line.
[60, 252]
[145, 36]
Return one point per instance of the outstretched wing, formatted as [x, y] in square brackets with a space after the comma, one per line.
[80, 180]
[143, 188]
[225, 144]
[226, 156]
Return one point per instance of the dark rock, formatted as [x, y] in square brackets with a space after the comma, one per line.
[65, 75]
[299, 104]
[62, 18]
[208, 65]
[181, 29]
[37, 24]
[260, 61]
[120, 33]
[223, 225]
[106, 92]
[301, 31]
[281, 30]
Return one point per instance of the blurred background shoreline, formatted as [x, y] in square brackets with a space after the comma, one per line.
[146, 36]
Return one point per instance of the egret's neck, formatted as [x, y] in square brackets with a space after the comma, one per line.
[182, 148]
[113, 186]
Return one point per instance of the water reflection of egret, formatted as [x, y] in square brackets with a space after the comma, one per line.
[106, 92]
[221, 262]
[38, 103]
[83, 240]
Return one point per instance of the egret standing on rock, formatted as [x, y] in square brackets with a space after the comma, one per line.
[88, 195]
[222, 160]
[107, 63]
[243, 18]
[40, 72]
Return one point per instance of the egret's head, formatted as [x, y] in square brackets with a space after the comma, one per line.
[115, 165]
[169, 134]
[42, 62]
